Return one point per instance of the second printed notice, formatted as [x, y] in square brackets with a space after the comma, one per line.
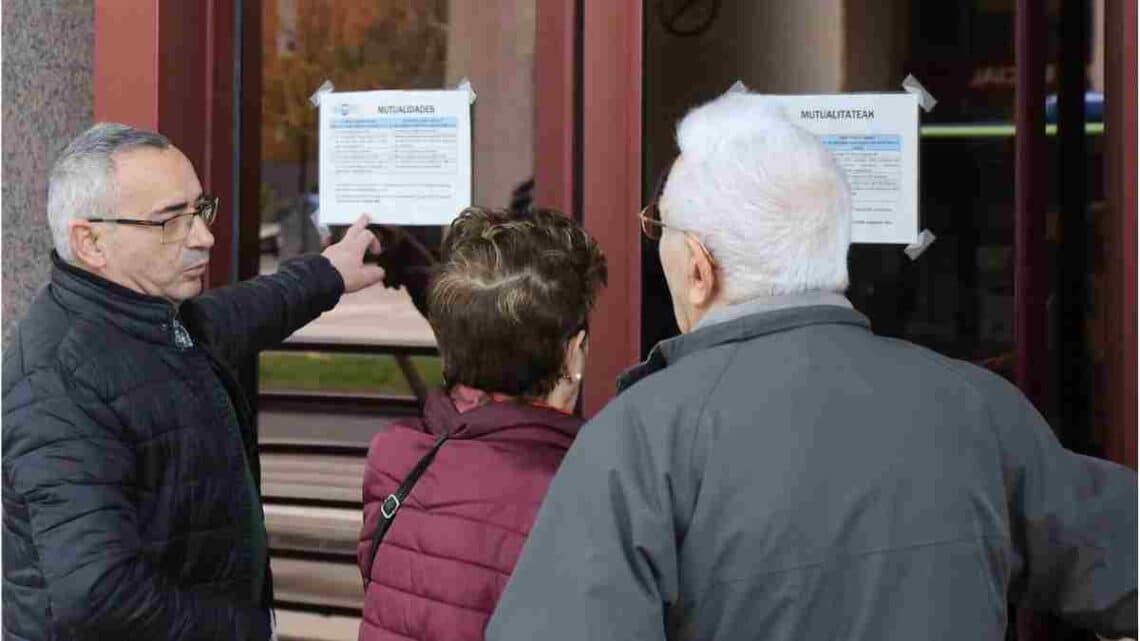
[874, 138]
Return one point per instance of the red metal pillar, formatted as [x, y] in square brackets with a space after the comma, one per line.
[611, 184]
[1120, 192]
[248, 139]
[169, 66]
[1030, 275]
[554, 120]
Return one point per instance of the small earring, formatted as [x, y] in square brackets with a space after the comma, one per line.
[578, 377]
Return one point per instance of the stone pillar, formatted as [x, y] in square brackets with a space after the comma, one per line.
[48, 100]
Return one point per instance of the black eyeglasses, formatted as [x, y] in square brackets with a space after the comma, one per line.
[176, 228]
[651, 223]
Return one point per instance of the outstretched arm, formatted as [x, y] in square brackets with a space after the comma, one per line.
[241, 320]
[1073, 522]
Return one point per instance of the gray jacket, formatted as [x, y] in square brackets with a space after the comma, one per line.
[790, 475]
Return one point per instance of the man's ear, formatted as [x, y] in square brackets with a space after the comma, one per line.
[701, 274]
[88, 243]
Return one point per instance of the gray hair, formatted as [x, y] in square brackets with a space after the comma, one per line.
[81, 184]
[764, 195]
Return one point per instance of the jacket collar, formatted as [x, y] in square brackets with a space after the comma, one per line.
[150, 318]
[770, 304]
[441, 416]
[738, 330]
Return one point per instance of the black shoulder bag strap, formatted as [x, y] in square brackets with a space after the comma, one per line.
[392, 504]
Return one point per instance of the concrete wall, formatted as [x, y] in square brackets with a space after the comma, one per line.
[47, 100]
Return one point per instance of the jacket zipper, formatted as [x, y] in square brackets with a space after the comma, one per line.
[179, 333]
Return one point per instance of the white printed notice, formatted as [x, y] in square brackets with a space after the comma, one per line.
[874, 137]
[403, 157]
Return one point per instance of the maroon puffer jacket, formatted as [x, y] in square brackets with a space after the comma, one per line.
[452, 546]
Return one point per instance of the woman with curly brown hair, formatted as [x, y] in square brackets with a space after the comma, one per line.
[509, 305]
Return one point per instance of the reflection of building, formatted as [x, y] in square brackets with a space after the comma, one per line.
[175, 66]
[491, 43]
[356, 45]
[360, 45]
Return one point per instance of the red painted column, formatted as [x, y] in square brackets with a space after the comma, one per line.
[168, 65]
[126, 62]
[1120, 191]
[611, 184]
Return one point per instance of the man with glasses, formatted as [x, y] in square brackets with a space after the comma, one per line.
[131, 508]
[779, 472]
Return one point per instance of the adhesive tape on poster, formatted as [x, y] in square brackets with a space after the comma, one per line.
[326, 87]
[910, 84]
[925, 239]
[737, 87]
[464, 83]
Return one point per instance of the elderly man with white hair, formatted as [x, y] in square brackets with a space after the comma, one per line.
[780, 472]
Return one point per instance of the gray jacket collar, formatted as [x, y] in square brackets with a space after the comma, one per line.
[771, 304]
[737, 330]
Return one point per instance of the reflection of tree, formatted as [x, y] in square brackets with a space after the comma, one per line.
[358, 45]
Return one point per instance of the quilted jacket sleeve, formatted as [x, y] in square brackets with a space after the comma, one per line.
[240, 320]
[76, 479]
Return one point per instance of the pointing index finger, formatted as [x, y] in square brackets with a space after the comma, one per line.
[359, 225]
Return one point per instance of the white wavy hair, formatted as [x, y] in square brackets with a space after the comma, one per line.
[764, 195]
[81, 184]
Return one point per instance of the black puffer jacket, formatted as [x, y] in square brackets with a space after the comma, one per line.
[131, 508]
